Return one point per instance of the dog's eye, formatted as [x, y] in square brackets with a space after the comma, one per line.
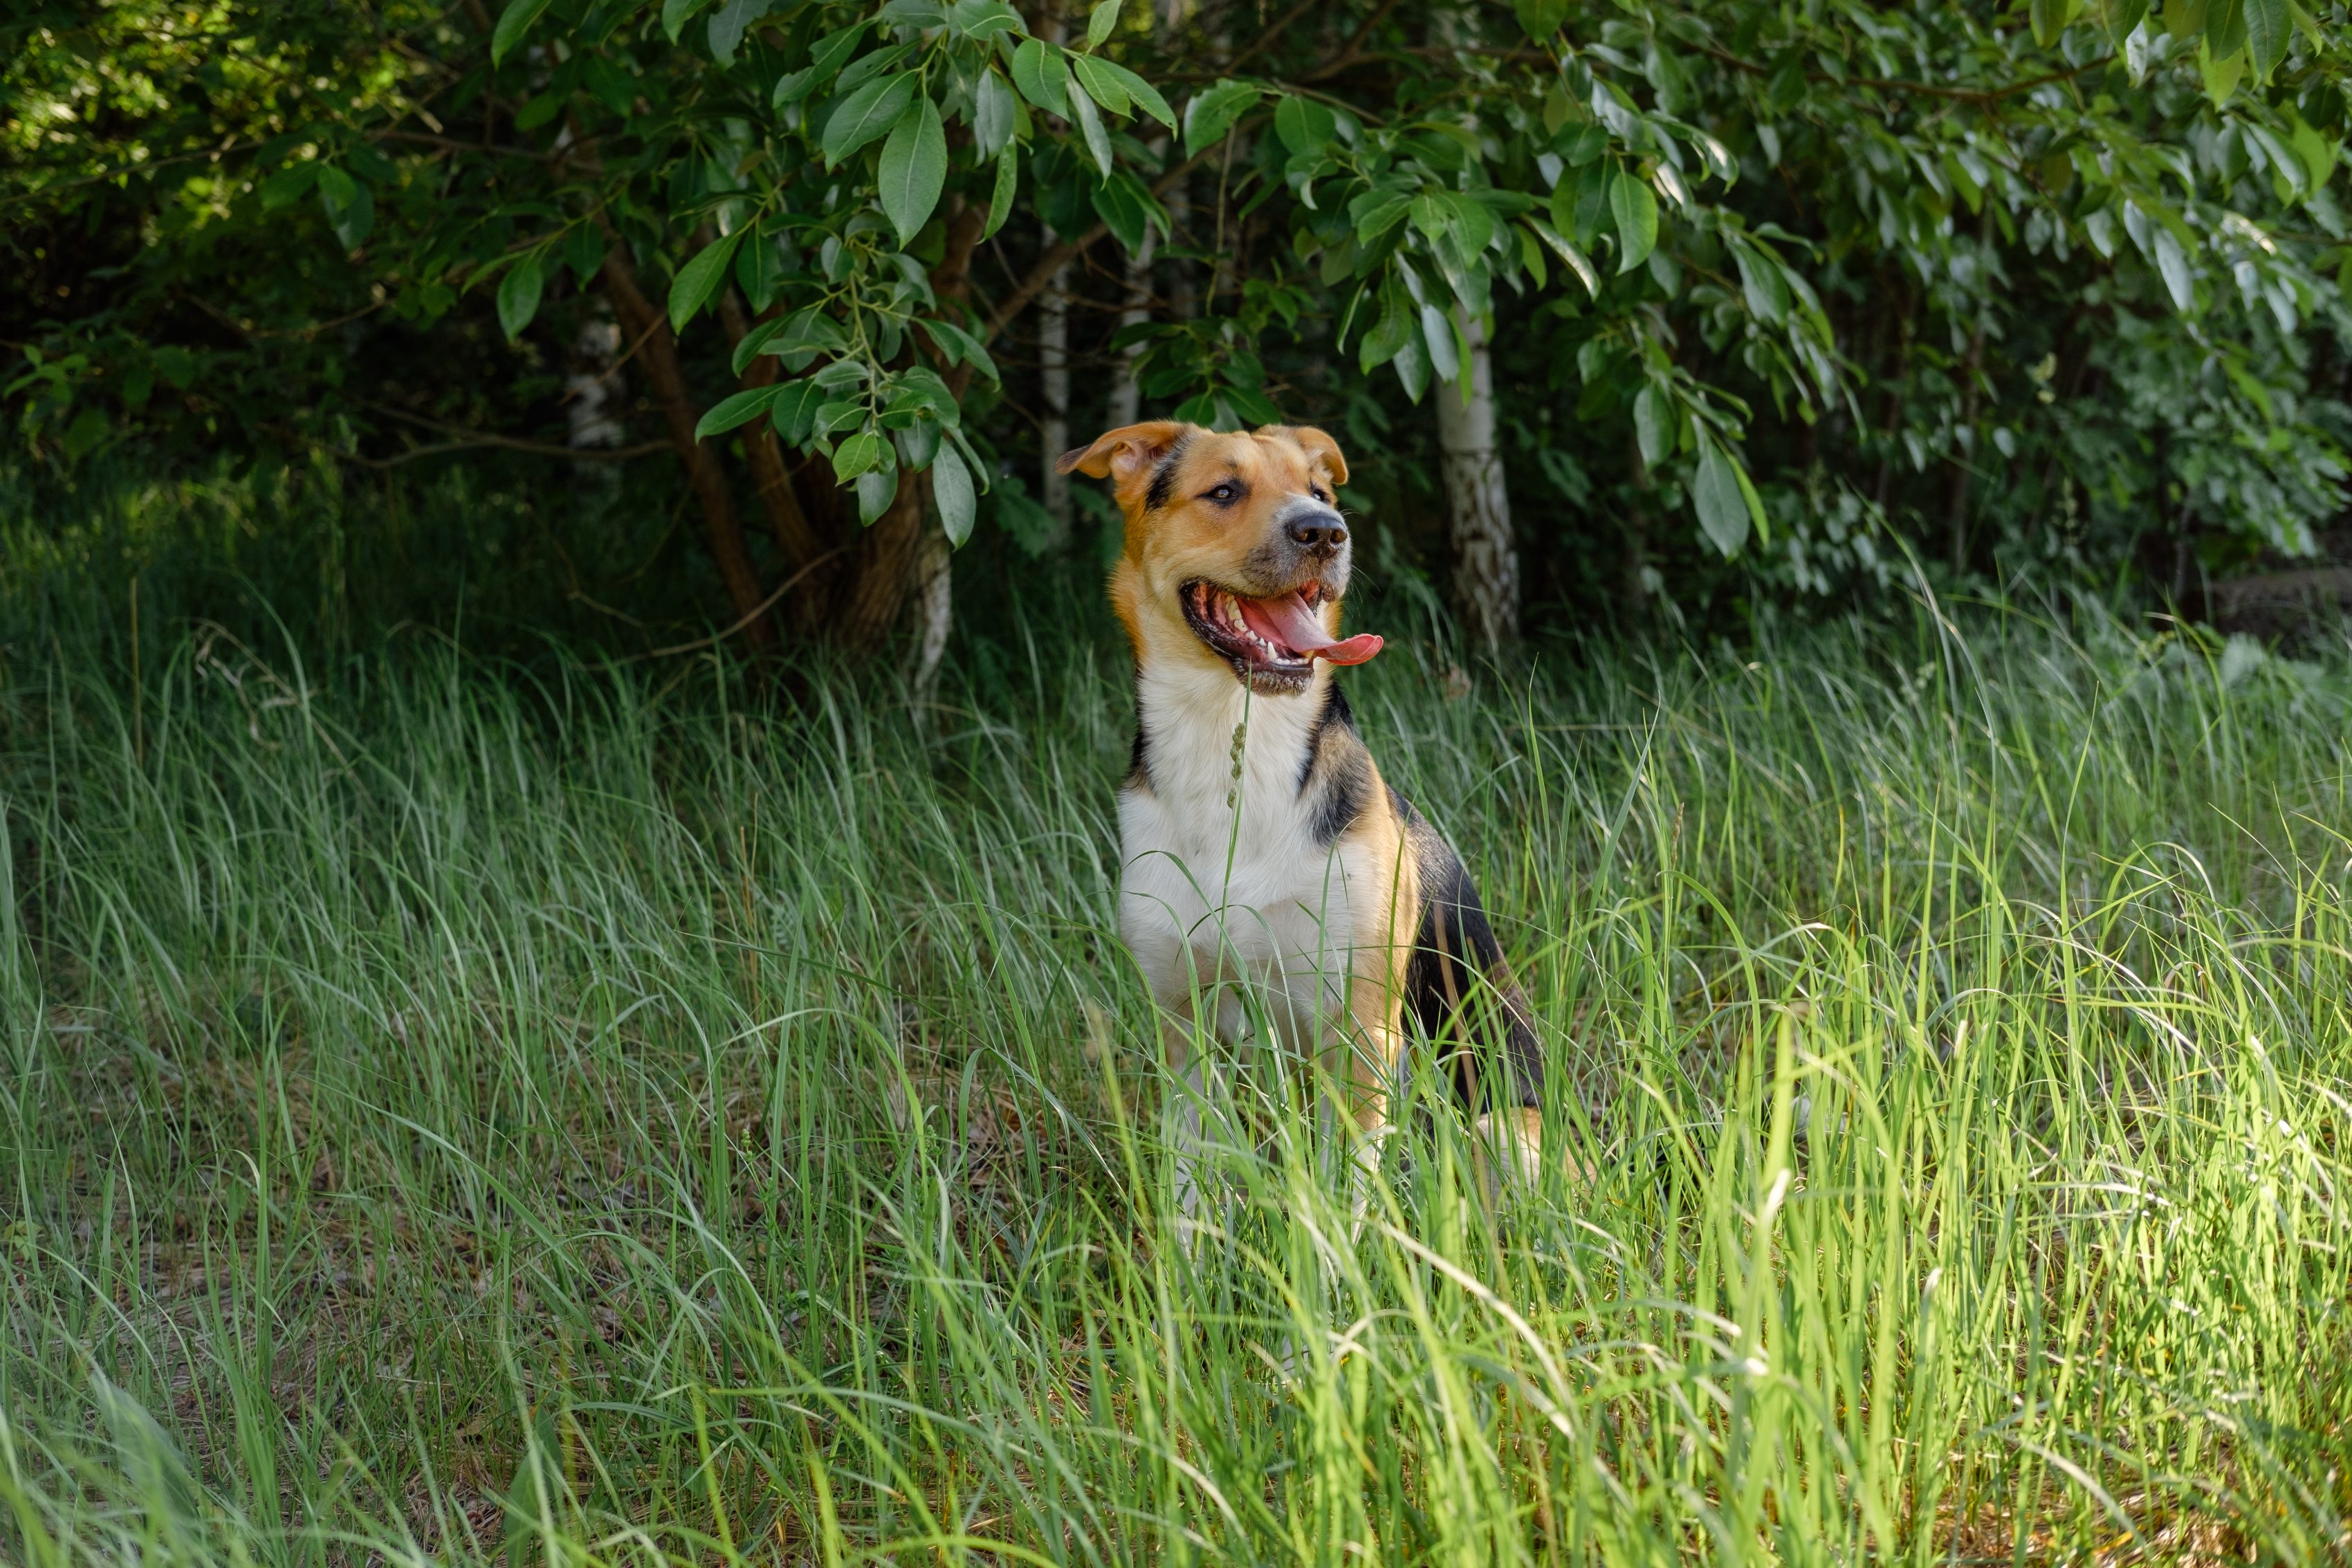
[1317, 491]
[1224, 495]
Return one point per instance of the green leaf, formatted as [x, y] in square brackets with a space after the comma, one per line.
[952, 490]
[1437, 331]
[857, 454]
[1090, 126]
[1578, 262]
[1754, 503]
[2225, 28]
[1411, 366]
[1654, 423]
[610, 84]
[1000, 200]
[2122, 17]
[1145, 96]
[2220, 75]
[2172, 264]
[1722, 509]
[513, 23]
[865, 114]
[1101, 22]
[1213, 109]
[754, 341]
[1761, 282]
[993, 114]
[1099, 84]
[1304, 127]
[1541, 18]
[2318, 153]
[1123, 207]
[914, 168]
[288, 184]
[2267, 31]
[1592, 205]
[794, 413]
[1042, 76]
[539, 111]
[984, 19]
[699, 280]
[740, 409]
[1635, 210]
[88, 429]
[2050, 18]
[1390, 333]
[676, 13]
[1471, 222]
[759, 272]
[2184, 19]
[519, 293]
[876, 488]
[733, 18]
[956, 344]
[351, 207]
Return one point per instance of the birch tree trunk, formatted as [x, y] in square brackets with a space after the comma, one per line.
[1054, 378]
[1485, 561]
[1125, 396]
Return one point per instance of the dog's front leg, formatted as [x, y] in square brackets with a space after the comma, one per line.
[1509, 1151]
[1372, 1036]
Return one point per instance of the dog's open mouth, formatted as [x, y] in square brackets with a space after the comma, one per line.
[1271, 642]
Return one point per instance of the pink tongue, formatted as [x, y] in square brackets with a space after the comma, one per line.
[1286, 620]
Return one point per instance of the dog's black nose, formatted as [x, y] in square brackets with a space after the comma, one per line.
[1318, 530]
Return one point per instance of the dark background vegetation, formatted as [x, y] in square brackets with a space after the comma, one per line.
[256, 329]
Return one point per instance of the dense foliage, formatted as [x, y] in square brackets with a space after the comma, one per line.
[1797, 287]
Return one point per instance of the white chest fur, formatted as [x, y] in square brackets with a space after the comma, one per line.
[1225, 882]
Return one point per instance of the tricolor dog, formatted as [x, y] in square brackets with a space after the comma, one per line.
[1261, 848]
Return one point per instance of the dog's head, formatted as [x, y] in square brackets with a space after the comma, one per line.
[1237, 554]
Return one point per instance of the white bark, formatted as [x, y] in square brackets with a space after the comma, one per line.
[1485, 561]
[934, 611]
[1054, 366]
[588, 392]
[1180, 303]
[1126, 397]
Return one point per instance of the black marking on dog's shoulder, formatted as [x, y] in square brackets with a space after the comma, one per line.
[1138, 761]
[1163, 478]
[1458, 987]
[1334, 711]
[1336, 769]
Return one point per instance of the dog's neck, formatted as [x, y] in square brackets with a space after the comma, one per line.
[1189, 715]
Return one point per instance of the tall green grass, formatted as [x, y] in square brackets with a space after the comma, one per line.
[462, 1112]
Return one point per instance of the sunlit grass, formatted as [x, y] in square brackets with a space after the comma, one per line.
[459, 1113]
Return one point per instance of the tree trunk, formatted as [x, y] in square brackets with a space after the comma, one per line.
[900, 554]
[1125, 396]
[886, 560]
[643, 321]
[1054, 384]
[1485, 561]
[796, 537]
[1182, 305]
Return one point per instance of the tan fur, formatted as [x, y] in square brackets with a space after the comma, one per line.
[1329, 926]
[1166, 546]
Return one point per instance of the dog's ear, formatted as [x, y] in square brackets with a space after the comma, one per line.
[1121, 454]
[1317, 444]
